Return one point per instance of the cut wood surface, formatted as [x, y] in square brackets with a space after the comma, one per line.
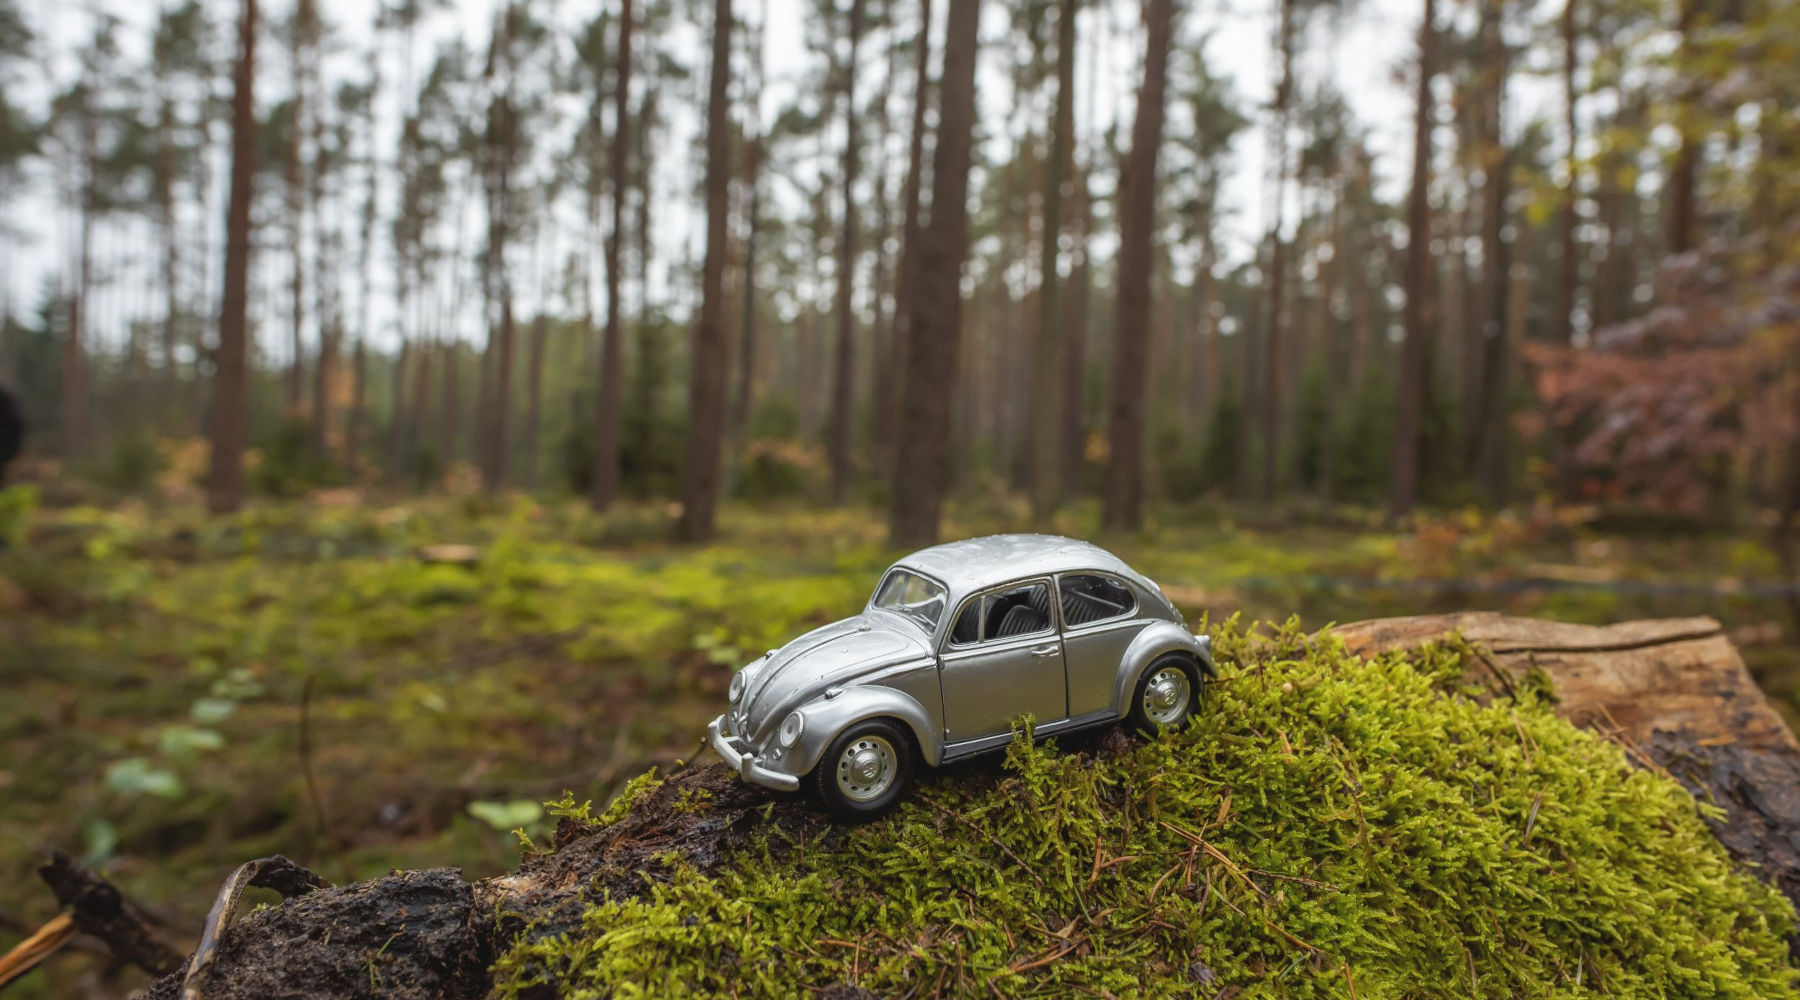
[1674, 693]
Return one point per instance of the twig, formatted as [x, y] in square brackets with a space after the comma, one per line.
[306, 763]
[44, 942]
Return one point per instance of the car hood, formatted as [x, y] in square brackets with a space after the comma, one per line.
[835, 654]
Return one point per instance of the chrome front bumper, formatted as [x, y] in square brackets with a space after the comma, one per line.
[736, 753]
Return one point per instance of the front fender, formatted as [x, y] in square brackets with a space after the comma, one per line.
[827, 717]
[1153, 642]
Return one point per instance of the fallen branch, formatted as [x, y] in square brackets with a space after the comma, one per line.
[97, 907]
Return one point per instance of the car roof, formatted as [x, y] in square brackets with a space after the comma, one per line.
[975, 563]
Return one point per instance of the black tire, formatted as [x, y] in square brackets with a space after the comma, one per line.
[886, 743]
[1146, 718]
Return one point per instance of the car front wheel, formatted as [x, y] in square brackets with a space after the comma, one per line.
[1166, 696]
[865, 770]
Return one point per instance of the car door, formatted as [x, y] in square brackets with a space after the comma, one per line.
[1003, 659]
[1099, 620]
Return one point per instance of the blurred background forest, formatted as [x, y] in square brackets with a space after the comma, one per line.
[428, 403]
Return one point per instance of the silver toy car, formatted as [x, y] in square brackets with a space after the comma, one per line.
[958, 641]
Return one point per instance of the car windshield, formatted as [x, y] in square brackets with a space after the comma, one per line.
[918, 598]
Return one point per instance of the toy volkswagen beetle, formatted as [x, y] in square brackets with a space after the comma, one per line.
[957, 642]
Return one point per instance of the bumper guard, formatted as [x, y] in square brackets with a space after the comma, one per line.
[735, 752]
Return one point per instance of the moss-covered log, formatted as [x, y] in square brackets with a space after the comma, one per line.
[1336, 824]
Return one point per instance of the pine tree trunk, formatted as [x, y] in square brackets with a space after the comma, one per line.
[1409, 401]
[843, 375]
[932, 345]
[710, 358]
[230, 404]
[1684, 174]
[1072, 432]
[1123, 507]
[1570, 264]
[534, 398]
[887, 421]
[1486, 441]
[1046, 474]
[604, 486]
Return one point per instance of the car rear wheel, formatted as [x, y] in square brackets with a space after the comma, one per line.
[865, 770]
[1167, 695]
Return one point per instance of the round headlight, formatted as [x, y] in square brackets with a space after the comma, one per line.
[737, 686]
[791, 728]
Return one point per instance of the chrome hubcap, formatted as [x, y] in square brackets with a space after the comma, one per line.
[1167, 695]
[866, 768]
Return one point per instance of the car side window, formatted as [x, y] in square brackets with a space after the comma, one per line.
[1089, 598]
[1015, 612]
[967, 629]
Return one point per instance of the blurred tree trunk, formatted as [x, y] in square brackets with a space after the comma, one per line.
[534, 394]
[744, 400]
[1072, 432]
[396, 447]
[1046, 432]
[162, 194]
[931, 347]
[1123, 507]
[1681, 196]
[711, 356]
[231, 404]
[1272, 398]
[501, 146]
[365, 269]
[604, 484]
[1571, 274]
[887, 422]
[1409, 401]
[306, 16]
[843, 376]
[1485, 435]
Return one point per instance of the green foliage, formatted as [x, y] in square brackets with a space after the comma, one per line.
[1330, 827]
[291, 464]
[16, 505]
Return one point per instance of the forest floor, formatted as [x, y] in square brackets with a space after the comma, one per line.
[364, 685]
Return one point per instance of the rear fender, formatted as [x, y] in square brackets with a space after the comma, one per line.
[1154, 642]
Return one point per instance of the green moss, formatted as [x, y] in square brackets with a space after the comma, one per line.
[1331, 827]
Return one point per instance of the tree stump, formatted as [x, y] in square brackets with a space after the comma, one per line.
[1674, 692]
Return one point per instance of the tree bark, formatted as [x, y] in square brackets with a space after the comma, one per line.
[1485, 436]
[1685, 172]
[711, 355]
[1046, 474]
[922, 469]
[843, 375]
[1123, 507]
[534, 396]
[604, 484]
[887, 422]
[1277, 289]
[1673, 693]
[1072, 432]
[231, 401]
[1409, 402]
[1569, 264]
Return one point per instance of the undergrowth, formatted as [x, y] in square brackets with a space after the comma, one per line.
[1330, 827]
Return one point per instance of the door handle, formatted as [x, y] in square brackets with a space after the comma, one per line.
[1043, 650]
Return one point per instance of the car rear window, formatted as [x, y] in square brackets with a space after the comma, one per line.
[1088, 598]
